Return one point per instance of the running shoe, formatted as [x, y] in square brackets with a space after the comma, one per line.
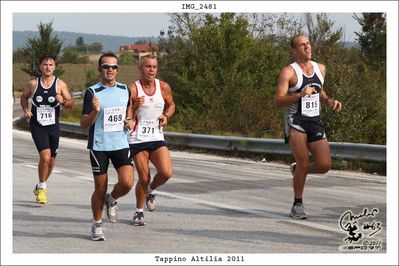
[298, 211]
[293, 168]
[97, 233]
[150, 202]
[112, 209]
[138, 219]
[40, 194]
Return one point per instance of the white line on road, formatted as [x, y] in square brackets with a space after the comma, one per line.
[35, 167]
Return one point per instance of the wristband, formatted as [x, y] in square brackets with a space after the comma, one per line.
[332, 99]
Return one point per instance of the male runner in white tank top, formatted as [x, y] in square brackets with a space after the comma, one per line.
[152, 106]
[300, 90]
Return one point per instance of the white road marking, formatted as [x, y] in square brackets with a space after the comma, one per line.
[35, 167]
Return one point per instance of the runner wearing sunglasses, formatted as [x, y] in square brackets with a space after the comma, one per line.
[106, 111]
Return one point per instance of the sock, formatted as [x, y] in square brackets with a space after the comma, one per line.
[97, 221]
[111, 199]
[151, 191]
[139, 210]
[42, 185]
[296, 201]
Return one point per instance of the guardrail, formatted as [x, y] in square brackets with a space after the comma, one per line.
[339, 150]
[77, 94]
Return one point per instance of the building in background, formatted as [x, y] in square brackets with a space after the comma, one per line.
[138, 51]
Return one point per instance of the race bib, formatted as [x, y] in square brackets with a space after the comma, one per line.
[310, 105]
[147, 129]
[45, 115]
[113, 118]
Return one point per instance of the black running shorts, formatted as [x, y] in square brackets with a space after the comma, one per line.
[314, 129]
[46, 137]
[100, 160]
[146, 146]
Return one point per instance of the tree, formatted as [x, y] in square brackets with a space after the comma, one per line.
[95, 47]
[219, 74]
[72, 57]
[321, 35]
[127, 58]
[80, 41]
[80, 45]
[18, 56]
[45, 44]
[372, 38]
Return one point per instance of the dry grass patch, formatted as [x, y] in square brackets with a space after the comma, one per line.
[75, 75]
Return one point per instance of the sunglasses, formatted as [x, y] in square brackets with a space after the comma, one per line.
[107, 66]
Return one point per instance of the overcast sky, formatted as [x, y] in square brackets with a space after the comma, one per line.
[136, 24]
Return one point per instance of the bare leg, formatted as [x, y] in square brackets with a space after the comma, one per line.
[141, 161]
[298, 144]
[125, 181]
[46, 164]
[161, 160]
[97, 199]
[321, 157]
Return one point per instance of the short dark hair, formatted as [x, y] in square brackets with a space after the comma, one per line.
[293, 40]
[100, 60]
[47, 57]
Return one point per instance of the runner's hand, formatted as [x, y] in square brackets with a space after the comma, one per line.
[96, 104]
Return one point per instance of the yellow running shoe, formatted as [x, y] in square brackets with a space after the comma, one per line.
[41, 196]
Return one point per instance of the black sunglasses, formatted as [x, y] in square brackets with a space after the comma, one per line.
[107, 66]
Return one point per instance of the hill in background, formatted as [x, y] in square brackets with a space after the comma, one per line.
[109, 42]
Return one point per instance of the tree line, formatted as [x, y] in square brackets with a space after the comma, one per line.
[224, 72]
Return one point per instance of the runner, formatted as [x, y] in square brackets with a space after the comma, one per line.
[300, 90]
[48, 94]
[106, 111]
[152, 105]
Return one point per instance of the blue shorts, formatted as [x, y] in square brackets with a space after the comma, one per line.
[146, 146]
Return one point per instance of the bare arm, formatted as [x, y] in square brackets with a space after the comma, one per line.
[135, 101]
[169, 102]
[26, 94]
[63, 96]
[286, 75]
[128, 123]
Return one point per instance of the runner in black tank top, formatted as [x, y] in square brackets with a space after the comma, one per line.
[48, 93]
[300, 90]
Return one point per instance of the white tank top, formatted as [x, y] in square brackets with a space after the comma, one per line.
[147, 127]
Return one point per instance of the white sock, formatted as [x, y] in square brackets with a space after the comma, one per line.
[139, 210]
[151, 191]
[97, 221]
[42, 185]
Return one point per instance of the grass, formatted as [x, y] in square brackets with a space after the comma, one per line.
[75, 75]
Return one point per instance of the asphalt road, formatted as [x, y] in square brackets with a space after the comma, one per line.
[212, 205]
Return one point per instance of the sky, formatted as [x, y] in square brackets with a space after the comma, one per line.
[138, 24]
